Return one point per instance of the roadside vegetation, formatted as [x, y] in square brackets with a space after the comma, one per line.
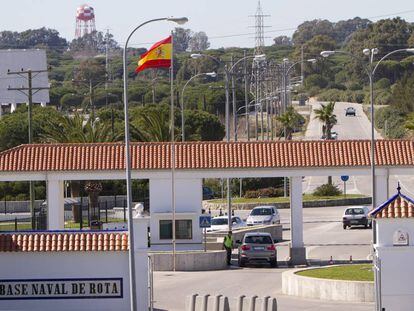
[347, 273]
[306, 198]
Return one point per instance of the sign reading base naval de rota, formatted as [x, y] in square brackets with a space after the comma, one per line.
[61, 288]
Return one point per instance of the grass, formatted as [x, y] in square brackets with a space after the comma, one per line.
[306, 197]
[9, 226]
[75, 225]
[348, 273]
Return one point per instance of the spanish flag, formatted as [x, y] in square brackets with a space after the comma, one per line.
[158, 56]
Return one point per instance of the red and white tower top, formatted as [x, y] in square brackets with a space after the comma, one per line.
[85, 20]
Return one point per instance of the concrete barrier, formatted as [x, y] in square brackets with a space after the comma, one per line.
[320, 203]
[208, 302]
[189, 260]
[325, 289]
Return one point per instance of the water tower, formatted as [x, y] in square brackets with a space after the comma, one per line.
[85, 20]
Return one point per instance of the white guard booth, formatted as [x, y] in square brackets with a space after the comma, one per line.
[394, 253]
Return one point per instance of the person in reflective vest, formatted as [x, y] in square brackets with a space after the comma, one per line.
[228, 246]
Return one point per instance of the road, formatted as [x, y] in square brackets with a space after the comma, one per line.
[358, 127]
[323, 237]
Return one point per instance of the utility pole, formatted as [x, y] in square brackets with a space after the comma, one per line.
[29, 91]
[233, 95]
[246, 97]
[302, 68]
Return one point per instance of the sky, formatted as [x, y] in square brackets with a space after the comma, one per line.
[226, 22]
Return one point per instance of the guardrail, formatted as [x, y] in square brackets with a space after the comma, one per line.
[207, 302]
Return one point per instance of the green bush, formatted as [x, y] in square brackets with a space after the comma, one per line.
[327, 190]
[264, 193]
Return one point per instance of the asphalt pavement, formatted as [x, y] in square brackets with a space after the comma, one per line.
[350, 127]
[323, 237]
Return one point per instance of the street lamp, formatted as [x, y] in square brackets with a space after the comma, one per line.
[208, 74]
[228, 72]
[131, 256]
[286, 71]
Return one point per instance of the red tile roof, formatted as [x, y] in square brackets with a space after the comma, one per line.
[64, 242]
[206, 155]
[398, 206]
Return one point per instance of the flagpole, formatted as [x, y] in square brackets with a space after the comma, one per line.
[173, 151]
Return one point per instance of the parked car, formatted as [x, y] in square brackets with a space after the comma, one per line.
[350, 111]
[208, 194]
[263, 215]
[356, 216]
[257, 247]
[221, 223]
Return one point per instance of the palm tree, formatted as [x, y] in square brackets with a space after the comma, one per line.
[78, 129]
[290, 120]
[152, 126]
[326, 115]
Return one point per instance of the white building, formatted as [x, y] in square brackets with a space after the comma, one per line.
[394, 253]
[22, 60]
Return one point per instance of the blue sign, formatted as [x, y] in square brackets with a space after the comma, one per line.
[344, 178]
[205, 221]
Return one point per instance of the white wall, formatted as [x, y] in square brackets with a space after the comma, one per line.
[397, 270]
[386, 228]
[57, 265]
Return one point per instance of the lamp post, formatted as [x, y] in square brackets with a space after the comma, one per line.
[370, 70]
[131, 256]
[286, 72]
[208, 74]
[228, 71]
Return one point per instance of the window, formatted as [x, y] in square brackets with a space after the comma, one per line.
[261, 212]
[258, 239]
[183, 229]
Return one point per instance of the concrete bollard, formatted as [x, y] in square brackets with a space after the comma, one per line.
[240, 303]
[193, 300]
[274, 305]
[217, 303]
[204, 305]
[253, 303]
[265, 302]
[226, 305]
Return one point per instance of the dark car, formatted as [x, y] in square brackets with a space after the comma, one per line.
[257, 247]
[208, 194]
[350, 111]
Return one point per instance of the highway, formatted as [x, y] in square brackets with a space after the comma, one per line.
[358, 127]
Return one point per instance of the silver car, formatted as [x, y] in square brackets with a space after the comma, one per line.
[356, 216]
[257, 247]
[263, 215]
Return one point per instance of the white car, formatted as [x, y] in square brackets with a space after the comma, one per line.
[220, 223]
[263, 215]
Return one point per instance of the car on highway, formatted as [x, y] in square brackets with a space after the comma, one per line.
[263, 215]
[257, 247]
[220, 223]
[356, 216]
[350, 111]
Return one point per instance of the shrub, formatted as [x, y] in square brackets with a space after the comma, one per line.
[327, 190]
[264, 193]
